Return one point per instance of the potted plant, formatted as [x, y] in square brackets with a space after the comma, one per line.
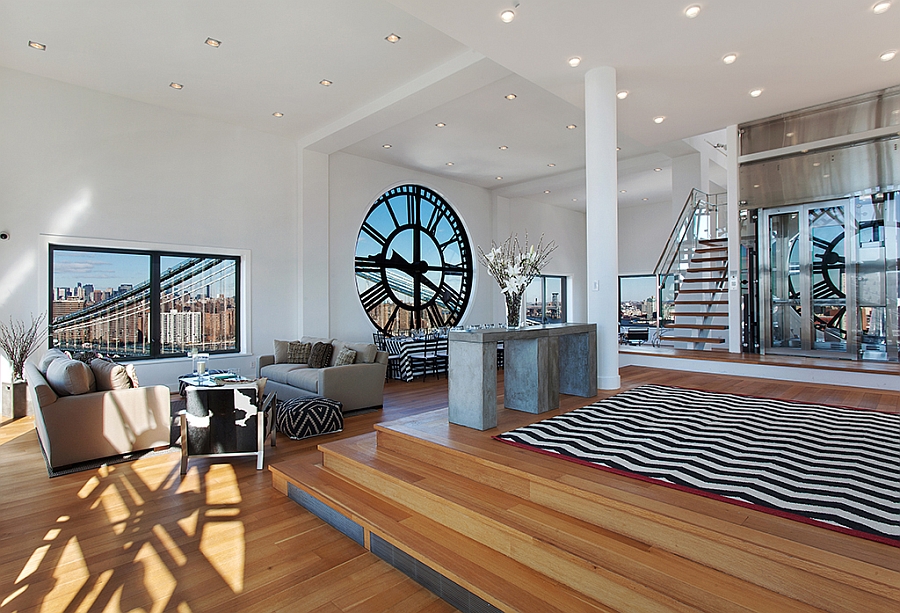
[17, 342]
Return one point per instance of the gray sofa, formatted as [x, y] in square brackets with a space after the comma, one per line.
[97, 424]
[356, 386]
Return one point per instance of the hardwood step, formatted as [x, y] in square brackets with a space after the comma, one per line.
[704, 279]
[700, 314]
[709, 269]
[714, 241]
[708, 532]
[718, 290]
[495, 578]
[707, 302]
[714, 258]
[710, 249]
[693, 339]
[696, 326]
[591, 560]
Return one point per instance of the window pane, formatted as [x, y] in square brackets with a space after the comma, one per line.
[554, 312]
[100, 302]
[198, 304]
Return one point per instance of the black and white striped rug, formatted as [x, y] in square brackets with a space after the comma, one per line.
[829, 466]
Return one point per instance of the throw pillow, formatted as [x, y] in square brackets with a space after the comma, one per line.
[365, 352]
[132, 374]
[298, 353]
[320, 355]
[345, 356]
[50, 356]
[109, 375]
[69, 377]
[281, 351]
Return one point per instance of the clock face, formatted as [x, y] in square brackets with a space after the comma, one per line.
[413, 261]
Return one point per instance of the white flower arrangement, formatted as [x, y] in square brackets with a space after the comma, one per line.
[514, 266]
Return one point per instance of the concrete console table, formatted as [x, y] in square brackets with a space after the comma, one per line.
[539, 363]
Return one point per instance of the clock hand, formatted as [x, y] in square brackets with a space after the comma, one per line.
[417, 270]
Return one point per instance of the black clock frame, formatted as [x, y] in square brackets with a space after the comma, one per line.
[428, 296]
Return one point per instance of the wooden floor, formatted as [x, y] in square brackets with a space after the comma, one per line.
[136, 536]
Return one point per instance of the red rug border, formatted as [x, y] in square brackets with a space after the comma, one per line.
[886, 540]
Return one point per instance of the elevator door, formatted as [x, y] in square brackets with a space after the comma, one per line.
[830, 278]
[805, 269]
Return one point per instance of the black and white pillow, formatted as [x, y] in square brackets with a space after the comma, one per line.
[320, 355]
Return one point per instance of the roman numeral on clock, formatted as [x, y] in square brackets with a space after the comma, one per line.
[375, 295]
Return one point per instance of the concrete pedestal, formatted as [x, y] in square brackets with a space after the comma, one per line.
[539, 363]
[15, 400]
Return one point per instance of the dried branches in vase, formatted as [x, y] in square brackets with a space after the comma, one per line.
[18, 341]
[514, 265]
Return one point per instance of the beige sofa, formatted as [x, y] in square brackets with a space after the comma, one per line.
[356, 386]
[97, 424]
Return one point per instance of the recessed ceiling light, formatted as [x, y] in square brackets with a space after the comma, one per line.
[622, 94]
[38, 46]
[618, 148]
[449, 163]
[756, 185]
[692, 11]
[657, 170]
[510, 96]
[212, 42]
[551, 164]
[571, 126]
[325, 82]
[659, 119]
[756, 93]
[817, 163]
[276, 114]
[574, 61]
[574, 199]
[881, 7]
[440, 124]
[387, 146]
[645, 199]
[789, 134]
[392, 38]
[546, 191]
[887, 56]
[825, 176]
[499, 178]
[623, 191]
[507, 15]
[174, 85]
[503, 147]
[730, 58]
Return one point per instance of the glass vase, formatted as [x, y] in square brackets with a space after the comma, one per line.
[513, 310]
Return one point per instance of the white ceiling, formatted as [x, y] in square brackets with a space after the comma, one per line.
[454, 63]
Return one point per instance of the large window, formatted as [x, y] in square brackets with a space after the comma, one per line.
[545, 300]
[143, 304]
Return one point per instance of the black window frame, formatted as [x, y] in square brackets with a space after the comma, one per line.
[563, 297]
[155, 291]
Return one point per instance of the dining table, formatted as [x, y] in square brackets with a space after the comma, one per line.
[406, 346]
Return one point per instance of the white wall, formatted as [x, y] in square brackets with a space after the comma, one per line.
[643, 232]
[566, 228]
[92, 168]
[354, 184]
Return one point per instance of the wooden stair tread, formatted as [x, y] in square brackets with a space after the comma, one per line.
[567, 536]
[480, 569]
[710, 249]
[708, 268]
[700, 314]
[713, 241]
[696, 326]
[715, 290]
[713, 258]
[693, 339]
[709, 302]
[703, 280]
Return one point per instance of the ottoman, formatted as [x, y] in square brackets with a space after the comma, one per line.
[300, 418]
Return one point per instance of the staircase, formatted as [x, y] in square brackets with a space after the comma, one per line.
[701, 305]
[695, 261]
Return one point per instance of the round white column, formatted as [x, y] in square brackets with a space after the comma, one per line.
[602, 220]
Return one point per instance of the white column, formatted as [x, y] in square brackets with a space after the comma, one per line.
[733, 145]
[314, 252]
[602, 220]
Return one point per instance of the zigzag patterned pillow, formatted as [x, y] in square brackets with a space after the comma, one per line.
[300, 418]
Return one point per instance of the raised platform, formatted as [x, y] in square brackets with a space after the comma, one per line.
[490, 527]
